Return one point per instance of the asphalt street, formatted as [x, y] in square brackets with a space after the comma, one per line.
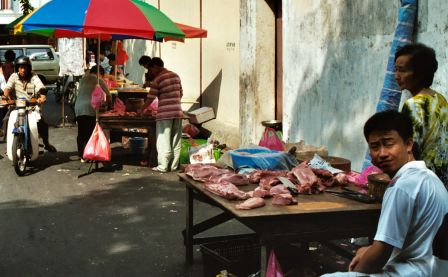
[123, 220]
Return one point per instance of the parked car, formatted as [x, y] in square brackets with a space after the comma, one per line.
[44, 59]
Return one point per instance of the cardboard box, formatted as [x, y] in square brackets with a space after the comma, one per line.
[201, 115]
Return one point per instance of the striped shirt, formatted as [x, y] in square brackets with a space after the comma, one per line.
[168, 88]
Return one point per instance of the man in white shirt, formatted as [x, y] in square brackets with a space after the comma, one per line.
[413, 209]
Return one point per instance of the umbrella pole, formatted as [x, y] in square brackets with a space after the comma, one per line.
[98, 70]
[116, 66]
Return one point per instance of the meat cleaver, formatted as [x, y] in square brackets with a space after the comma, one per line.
[291, 187]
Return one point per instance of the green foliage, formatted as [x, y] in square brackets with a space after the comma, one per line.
[26, 6]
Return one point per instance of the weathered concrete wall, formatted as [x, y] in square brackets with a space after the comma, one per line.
[257, 66]
[220, 56]
[335, 56]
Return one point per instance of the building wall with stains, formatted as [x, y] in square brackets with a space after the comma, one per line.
[334, 59]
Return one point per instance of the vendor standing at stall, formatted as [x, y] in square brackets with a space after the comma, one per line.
[167, 86]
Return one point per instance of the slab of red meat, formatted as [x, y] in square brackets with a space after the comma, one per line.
[251, 203]
[256, 176]
[283, 199]
[322, 172]
[234, 178]
[304, 174]
[227, 190]
[278, 189]
[204, 172]
[259, 192]
[341, 179]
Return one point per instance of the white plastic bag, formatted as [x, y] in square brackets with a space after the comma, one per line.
[202, 154]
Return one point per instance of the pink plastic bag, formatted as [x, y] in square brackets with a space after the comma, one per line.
[274, 269]
[271, 140]
[154, 104]
[98, 147]
[119, 106]
[362, 178]
[98, 97]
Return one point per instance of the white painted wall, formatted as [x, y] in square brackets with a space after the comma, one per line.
[335, 56]
[220, 54]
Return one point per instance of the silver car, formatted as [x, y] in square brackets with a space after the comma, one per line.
[44, 59]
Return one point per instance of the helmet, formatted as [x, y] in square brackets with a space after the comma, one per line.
[22, 60]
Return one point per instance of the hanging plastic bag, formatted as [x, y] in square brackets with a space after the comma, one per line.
[98, 147]
[274, 269]
[154, 104]
[98, 97]
[271, 140]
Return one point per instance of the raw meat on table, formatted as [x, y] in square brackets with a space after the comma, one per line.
[204, 172]
[227, 190]
[304, 174]
[278, 189]
[259, 192]
[283, 199]
[257, 175]
[234, 178]
[251, 203]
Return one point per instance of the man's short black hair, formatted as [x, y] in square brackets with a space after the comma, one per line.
[389, 121]
[156, 61]
[144, 60]
[423, 62]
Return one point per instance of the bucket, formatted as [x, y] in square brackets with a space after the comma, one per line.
[137, 145]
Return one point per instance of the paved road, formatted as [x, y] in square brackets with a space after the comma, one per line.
[123, 221]
[126, 222]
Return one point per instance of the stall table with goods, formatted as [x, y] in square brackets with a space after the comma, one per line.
[279, 206]
[119, 123]
[123, 120]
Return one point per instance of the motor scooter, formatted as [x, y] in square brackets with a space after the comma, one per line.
[22, 134]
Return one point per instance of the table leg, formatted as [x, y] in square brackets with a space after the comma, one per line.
[189, 228]
[264, 260]
[152, 149]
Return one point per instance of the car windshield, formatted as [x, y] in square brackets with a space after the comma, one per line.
[39, 54]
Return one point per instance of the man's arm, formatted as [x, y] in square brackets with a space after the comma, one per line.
[371, 259]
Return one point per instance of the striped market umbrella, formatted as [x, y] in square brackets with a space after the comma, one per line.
[100, 18]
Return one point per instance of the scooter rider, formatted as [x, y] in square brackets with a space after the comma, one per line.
[26, 84]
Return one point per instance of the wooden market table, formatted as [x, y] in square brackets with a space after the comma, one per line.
[319, 217]
[118, 123]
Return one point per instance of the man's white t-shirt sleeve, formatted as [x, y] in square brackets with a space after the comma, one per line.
[395, 218]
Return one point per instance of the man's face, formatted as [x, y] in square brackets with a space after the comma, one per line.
[388, 151]
[404, 75]
[22, 70]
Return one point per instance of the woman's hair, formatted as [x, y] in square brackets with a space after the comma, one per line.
[422, 61]
[94, 70]
[389, 120]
